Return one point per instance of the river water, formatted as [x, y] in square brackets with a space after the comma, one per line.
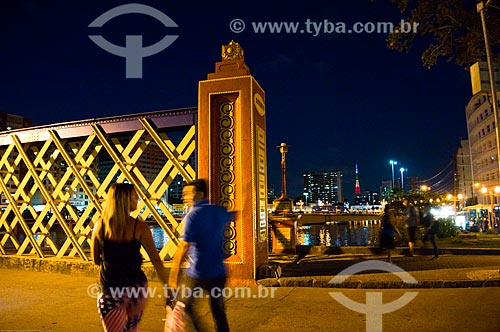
[338, 235]
[327, 235]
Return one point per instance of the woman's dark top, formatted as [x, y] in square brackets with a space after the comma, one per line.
[386, 233]
[121, 263]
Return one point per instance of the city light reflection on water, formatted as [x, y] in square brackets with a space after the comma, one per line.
[327, 235]
[338, 235]
[159, 236]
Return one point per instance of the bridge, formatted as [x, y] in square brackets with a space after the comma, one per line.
[54, 178]
[51, 166]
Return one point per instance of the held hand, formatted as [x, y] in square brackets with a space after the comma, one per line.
[170, 296]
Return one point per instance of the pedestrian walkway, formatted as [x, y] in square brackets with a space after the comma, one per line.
[455, 268]
[50, 301]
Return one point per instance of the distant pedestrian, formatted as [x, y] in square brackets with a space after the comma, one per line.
[116, 244]
[431, 229]
[387, 231]
[203, 240]
[412, 221]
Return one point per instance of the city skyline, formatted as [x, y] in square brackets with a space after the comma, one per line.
[336, 99]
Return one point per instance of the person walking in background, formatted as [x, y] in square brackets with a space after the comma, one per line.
[116, 244]
[431, 229]
[202, 240]
[412, 220]
[387, 231]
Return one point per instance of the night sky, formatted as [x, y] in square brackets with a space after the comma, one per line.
[336, 99]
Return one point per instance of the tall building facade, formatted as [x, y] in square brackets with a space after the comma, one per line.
[481, 131]
[385, 189]
[11, 122]
[367, 198]
[324, 187]
[463, 174]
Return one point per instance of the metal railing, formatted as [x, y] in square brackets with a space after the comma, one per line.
[54, 178]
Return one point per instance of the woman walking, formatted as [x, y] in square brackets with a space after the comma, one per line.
[387, 231]
[116, 244]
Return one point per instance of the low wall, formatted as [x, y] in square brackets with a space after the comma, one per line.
[65, 266]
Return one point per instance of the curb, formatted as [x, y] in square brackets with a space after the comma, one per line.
[425, 284]
[364, 250]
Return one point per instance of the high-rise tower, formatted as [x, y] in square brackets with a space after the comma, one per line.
[357, 189]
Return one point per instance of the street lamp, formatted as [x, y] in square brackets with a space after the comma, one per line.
[392, 162]
[402, 170]
[283, 148]
[306, 194]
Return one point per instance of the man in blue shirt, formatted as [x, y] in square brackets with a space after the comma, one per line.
[202, 241]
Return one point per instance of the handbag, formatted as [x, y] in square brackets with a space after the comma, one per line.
[175, 317]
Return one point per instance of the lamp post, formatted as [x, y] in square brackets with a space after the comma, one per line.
[481, 8]
[283, 204]
[283, 148]
[392, 162]
[305, 195]
[402, 170]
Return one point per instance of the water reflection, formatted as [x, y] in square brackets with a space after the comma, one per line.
[327, 235]
[58, 236]
[338, 235]
[159, 236]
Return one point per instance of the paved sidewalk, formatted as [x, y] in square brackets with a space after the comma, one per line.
[450, 292]
[451, 270]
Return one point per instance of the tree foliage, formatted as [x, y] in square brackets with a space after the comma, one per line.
[449, 29]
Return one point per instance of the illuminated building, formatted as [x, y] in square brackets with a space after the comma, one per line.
[367, 198]
[463, 176]
[325, 187]
[386, 189]
[481, 131]
[12, 122]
